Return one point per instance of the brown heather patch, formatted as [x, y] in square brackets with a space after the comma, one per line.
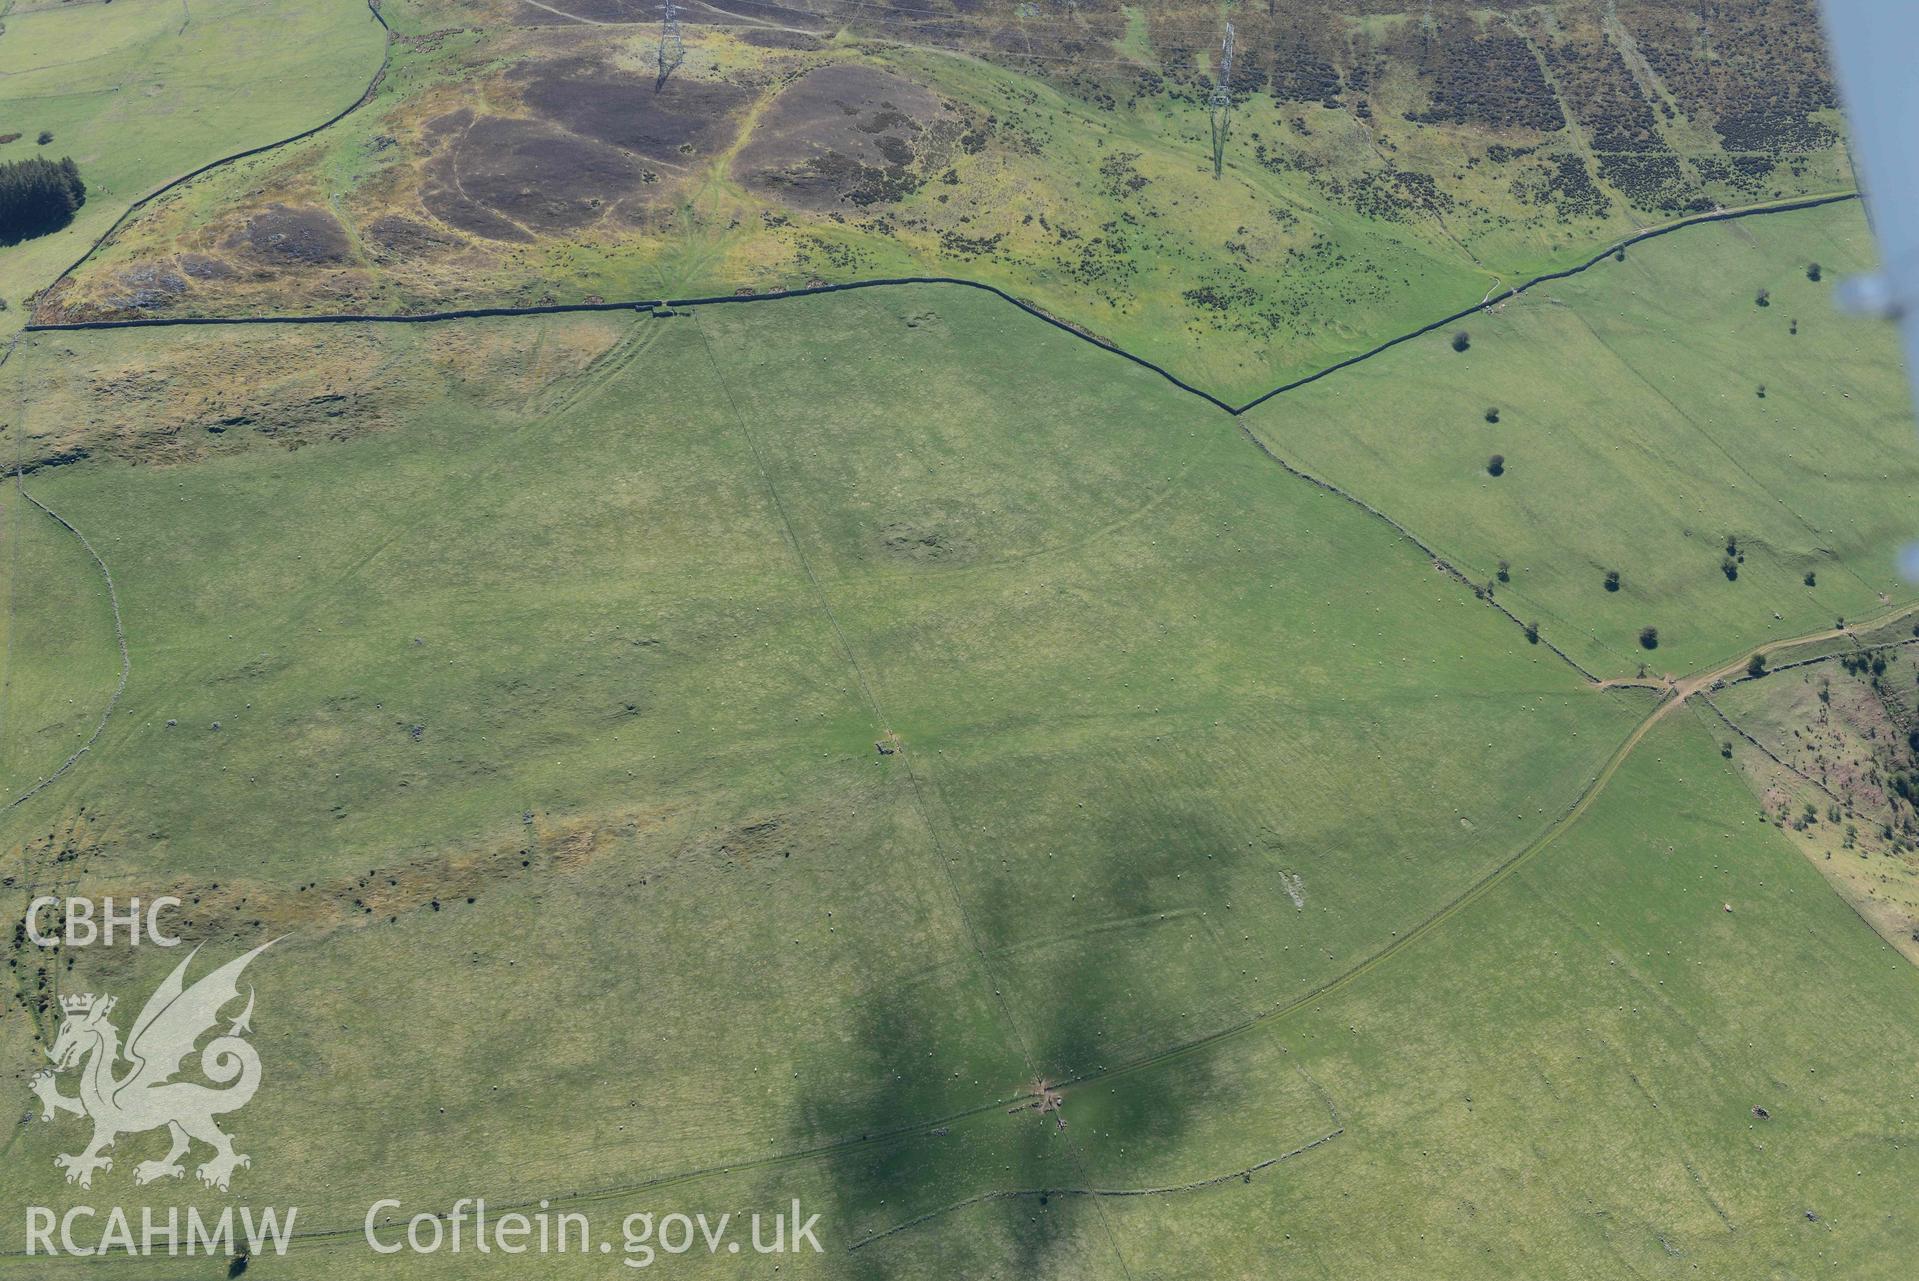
[510, 362]
[216, 392]
[249, 911]
[208, 394]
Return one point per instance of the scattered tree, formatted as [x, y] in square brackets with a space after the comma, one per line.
[1496, 465]
[1612, 580]
[1763, 298]
[46, 136]
[1762, 391]
[38, 196]
[1649, 638]
[1756, 665]
[1532, 633]
[1619, 254]
[1813, 272]
[1505, 572]
[1725, 749]
[1812, 579]
[1492, 413]
[1730, 568]
[1462, 340]
[1792, 326]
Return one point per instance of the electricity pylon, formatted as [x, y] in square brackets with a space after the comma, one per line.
[1222, 104]
[672, 48]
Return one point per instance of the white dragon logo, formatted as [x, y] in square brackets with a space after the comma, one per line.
[146, 1097]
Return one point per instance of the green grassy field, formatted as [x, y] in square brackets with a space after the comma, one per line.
[1635, 439]
[143, 91]
[1561, 1081]
[672, 628]
[694, 762]
[549, 684]
[61, 662]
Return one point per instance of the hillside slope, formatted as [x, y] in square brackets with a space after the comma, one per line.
[1375, 176]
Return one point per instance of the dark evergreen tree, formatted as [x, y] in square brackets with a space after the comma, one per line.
[38, 196]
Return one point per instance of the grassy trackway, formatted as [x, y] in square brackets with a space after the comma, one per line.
[1679, 692]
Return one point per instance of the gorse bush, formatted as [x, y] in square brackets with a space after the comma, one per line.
[38, 196]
